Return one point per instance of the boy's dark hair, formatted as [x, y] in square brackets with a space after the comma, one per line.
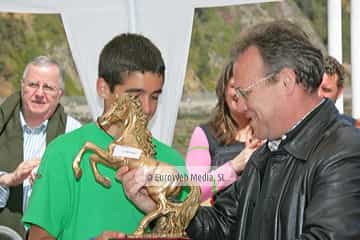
[127, 53]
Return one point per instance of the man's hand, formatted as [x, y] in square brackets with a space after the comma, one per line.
[251, 144]
[134, 182]
[106, 235]
[22, 172]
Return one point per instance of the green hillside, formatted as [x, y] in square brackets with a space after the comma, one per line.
[216, 29]
[25, 36]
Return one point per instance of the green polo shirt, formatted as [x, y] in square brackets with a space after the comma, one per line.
[71, 209]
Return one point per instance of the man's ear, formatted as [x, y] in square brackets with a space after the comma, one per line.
[102, 88]
[62, 92]
[288, 78]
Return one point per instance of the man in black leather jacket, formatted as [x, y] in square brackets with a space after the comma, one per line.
[304, 183]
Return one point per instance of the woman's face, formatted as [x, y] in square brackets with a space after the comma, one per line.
[236, 105]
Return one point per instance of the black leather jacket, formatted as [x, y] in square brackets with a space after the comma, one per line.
[308, 189]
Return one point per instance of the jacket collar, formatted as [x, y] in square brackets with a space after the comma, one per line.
[302, 138]
[299, 141]
[9, 108]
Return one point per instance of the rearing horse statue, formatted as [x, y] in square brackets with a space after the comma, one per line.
[134, 148]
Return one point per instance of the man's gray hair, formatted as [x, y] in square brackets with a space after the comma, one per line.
[44, 61]
[284, 44]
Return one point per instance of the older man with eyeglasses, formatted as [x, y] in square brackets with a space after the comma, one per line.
[29, 120]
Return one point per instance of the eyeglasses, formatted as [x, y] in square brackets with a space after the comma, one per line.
[34, 86]
[244, 93]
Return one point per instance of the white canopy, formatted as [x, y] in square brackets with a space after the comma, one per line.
[89, 24]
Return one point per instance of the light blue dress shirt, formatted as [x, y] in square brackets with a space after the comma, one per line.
[34, 147]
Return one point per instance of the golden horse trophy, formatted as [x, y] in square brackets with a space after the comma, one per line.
[172, 218]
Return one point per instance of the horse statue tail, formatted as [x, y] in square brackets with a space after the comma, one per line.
[179, 218]
[191, 203]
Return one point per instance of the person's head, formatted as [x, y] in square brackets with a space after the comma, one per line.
[332, 85]
[228, 116]
[42, 86]
[131, 64]
[277, 72]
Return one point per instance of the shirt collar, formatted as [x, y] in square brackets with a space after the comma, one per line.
[273, 145]
[36, 130]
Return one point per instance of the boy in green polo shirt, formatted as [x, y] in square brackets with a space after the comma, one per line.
[60, 206]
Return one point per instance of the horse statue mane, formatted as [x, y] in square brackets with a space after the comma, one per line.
[132, 147]
[142, 134]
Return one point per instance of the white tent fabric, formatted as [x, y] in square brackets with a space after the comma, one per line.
[335, 38]
[89, 24]
[355, 57]
[87, 32]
